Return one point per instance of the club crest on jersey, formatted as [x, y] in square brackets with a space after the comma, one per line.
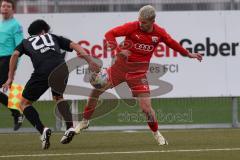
[154, 39]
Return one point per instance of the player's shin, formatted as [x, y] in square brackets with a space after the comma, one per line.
[153, 125]
[64, 109]
[152, 121]
[32, 116]
[88, 111]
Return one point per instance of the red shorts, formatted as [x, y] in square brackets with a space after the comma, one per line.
[137, 81]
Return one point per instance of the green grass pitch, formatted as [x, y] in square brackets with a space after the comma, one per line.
[199, 144]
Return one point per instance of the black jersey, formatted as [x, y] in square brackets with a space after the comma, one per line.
[44, 51]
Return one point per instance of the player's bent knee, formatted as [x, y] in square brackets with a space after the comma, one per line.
[146, 110]
[25, 103]
[57, 98]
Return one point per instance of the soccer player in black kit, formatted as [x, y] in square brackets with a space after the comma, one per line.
[44, 49]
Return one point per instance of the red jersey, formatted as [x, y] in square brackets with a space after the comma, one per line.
[142, 44]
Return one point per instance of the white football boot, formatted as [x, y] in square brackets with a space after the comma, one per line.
[159, 138]
[84, 124]
[45, 138]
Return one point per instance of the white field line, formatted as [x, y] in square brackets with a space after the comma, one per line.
[129, 152]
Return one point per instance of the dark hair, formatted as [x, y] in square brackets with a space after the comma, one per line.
[9, 1]
[37, 26]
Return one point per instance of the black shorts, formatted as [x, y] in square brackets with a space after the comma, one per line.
[4, 68]
[37, 85]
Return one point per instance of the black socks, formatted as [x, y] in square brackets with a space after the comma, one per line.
[64, 109]
[32, 115]
[3, 99]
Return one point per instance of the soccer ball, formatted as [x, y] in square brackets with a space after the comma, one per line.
[99, 80]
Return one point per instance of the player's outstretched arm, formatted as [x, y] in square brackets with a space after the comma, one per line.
[82, 53]
[173, 44]
[12, 68]
[177, 47]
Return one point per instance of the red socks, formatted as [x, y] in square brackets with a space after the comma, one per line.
[152, 122]
[88, 111]
[153, 126]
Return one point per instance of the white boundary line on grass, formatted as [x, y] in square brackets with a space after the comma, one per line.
[127, 152]
[134, 127]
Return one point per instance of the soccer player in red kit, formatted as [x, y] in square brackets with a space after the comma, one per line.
[133, 58]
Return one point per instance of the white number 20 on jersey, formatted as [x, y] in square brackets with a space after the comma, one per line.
[45, 43]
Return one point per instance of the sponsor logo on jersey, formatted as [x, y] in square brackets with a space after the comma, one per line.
[144, 47]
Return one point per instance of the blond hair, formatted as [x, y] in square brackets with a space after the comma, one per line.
[147, 12]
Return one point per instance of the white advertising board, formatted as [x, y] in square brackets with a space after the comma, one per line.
[213, 33]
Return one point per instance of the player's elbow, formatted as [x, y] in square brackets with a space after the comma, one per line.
[73, 45]
[109, 35]
[76, 47]
[16, 54]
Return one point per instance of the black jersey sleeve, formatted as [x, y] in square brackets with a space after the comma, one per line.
[20, 48]
[64, 43]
